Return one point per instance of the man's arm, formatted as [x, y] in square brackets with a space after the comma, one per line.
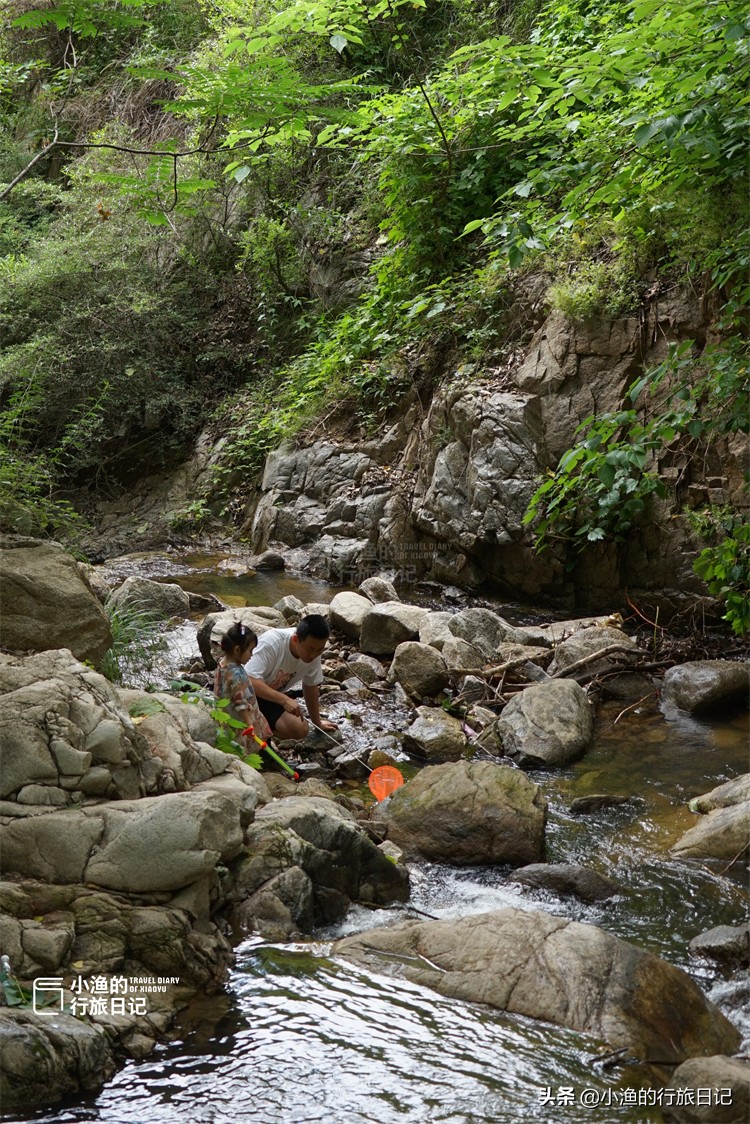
[312, 702]
[263, 691]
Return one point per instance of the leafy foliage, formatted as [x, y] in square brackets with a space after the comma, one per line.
[725, 567]
[137, 646]
[226, 740]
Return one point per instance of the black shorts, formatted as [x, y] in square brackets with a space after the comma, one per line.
[271, 711]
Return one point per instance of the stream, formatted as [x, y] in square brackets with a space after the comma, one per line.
[300, 1036]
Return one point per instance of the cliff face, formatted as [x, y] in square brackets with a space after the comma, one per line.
[442, 494]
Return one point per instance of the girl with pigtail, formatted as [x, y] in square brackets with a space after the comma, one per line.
[231, 681]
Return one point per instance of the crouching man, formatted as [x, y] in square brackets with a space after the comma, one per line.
[283, 658]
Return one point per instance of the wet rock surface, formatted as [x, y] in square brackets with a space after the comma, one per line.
[469, 812]
[561, 971]
[705, 686]
[47, 602]
[550, 723]
[728, 1083]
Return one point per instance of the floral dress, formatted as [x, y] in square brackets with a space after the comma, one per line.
[231, 682]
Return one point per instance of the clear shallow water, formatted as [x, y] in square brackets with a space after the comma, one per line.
[314, 1040]
[306, 1038]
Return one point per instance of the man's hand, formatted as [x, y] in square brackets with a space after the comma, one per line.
[325, 724]
[291, 706]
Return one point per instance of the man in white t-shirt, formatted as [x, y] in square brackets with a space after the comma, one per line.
[283, 658]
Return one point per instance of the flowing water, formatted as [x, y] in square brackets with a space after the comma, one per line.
[301, 1036]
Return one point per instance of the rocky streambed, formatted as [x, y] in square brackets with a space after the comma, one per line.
[136, 855]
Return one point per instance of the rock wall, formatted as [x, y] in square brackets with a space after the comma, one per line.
[442, 495]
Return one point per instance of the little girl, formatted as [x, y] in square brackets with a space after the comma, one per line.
[231, 681]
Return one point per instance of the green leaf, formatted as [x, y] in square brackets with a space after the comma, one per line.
[644, 133]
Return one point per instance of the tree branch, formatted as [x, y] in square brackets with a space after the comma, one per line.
[53, 143]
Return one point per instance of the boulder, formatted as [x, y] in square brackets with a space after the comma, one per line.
[435, 735]
[585, 805]
[550, 723]
[213, 627]
[713, 1090]
[566, 880]
[43, 1059]
[347, 613]
[161, 600]
[378, 589]
[56, 928]
[469, 812]
[419, 668]
[521, 653]
[706, 686]
[724, 795]
[270, 560]
[460, 656]
[309, 860]
[550, 968]
[484, 629]
[588, 641]
[389, 624]
[291, 608]
[317, 609]
[58, 720]
[47, 602]
[365, 668]
[722, 834]
[162, 843]
[434, 629]
[727, 945]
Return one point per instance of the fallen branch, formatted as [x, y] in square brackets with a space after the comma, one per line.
[736, 857]
[632, 706]
[603, 653]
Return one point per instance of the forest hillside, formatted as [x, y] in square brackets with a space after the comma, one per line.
[264, 220]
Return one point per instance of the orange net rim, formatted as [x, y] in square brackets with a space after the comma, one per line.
[384, 780]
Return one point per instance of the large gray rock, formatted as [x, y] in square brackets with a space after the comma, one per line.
[722, 834]
[586, 643]
[460, 656]
[47, 603]
[50, 928]
[727, 945]
[58, 718]
[162, 843]
[567, 880]
[703, 686]
[728, 1083]
[434, 630]
[309, 860]
[549, 723]
[389, 624]
[473, 489]
[469, 812]
[211, 629]
[548, 635]
[44, 1058]
[484, 629]
[557, 970]
[419, 668]
[377, 589]
[724, 795]
[347, 613]
[160, 600]
[435, 735]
